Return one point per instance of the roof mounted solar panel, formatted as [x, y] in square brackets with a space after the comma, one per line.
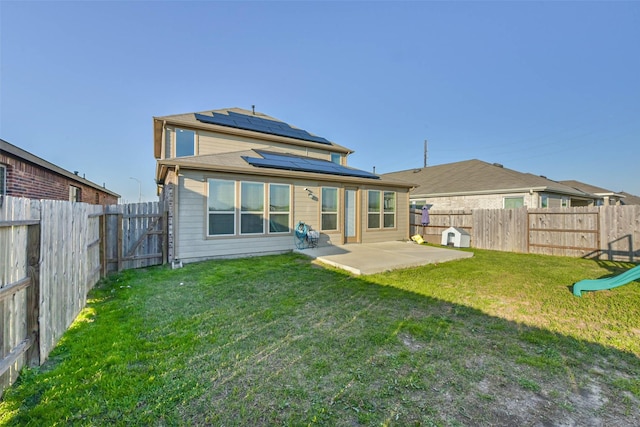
[259, 124]
[304, 164]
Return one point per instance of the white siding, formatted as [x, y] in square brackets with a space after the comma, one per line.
[484, 201]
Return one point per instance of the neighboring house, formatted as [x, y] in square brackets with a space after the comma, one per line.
[24, 175]
[474, 184]
[629, 199]
[605, 197]
[238, 182]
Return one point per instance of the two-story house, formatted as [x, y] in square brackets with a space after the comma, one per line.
[237, 183]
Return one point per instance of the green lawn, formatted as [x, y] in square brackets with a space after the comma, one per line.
[497, 339]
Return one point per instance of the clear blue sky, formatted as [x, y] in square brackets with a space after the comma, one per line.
[550, 88]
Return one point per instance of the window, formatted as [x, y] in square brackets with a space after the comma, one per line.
[389, 209]
[251, 208]
[3, 180]
[329, 213]
[544, 201]
[336, 158]
[185, 142]
[74, 194]
[565, 202]
[374, 209]
[279, 208]
[222, 217]
[381, 209]
[513, 202]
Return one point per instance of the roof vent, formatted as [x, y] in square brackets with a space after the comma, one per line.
[416, 170]
[542, 176]
[498, 165]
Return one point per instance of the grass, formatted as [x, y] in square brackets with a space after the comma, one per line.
[497, 339]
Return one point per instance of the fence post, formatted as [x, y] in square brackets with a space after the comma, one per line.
[33, 294]
[119, 243]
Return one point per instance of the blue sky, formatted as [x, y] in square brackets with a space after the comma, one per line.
[550, 88]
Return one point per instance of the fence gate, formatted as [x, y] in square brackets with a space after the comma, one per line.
[134, 236]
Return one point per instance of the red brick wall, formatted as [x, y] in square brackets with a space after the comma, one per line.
[34, 182]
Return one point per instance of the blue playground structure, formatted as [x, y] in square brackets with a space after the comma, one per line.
[606, 283]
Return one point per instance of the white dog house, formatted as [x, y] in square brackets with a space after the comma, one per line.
[456, 237]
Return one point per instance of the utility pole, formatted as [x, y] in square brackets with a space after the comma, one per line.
[425, 153]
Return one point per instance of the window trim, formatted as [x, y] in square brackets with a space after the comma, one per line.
[382, 211]
[386, 212]
[243, 212]
[323, 212]
[3, 183]
[276, 213]
[374, 212]
[339, 158]
[175, 139]
[504, 201]
[232, 211]
[75, 194]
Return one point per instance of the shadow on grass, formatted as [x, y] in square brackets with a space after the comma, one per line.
[277, 340]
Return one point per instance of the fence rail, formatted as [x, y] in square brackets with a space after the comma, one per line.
[51, 254]
[611, 232]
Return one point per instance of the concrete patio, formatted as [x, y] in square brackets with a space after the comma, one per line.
[371, 258]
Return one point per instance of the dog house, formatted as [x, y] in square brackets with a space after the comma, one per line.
[456, 237]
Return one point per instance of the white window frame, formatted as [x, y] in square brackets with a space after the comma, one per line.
[74, 193]
[391, 210]
[221, 212]
[323, 212]
[376, 212]
[248, 212]
[336, 156]
[279, 213]
[3, 180]
[175, 145]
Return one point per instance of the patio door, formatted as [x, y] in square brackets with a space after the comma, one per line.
[350, 215]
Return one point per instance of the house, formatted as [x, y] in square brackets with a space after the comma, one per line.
[238, 182]
[474, 184]
[23, 174]
[605, 197]
[629, 199]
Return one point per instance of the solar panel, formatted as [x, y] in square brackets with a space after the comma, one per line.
[259, 124]
[304, 164]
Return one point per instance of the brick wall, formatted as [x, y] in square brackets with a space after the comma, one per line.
[25, 179]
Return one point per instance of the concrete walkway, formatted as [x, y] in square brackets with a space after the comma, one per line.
[370, 258]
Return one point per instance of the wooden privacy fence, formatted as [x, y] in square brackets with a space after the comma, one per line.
[51, 254]
[610, 232]
[48, 262]
[134, 236]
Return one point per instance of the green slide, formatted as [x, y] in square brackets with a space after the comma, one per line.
[606, 283]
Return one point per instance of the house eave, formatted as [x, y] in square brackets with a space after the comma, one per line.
[165, 166]
[503, 191]
[160, 123]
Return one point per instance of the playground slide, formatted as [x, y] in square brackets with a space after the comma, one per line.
[606, 283]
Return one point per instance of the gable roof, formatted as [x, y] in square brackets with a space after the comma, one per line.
[35, 160]
[238, 121]
[478, 177]
[629, 199]
[598, 191]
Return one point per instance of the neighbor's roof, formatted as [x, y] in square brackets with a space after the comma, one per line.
[240, 162]
[599, 191]
[241, 122]
[477, 177]
[630, 199]
[30, 158]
